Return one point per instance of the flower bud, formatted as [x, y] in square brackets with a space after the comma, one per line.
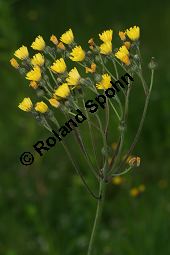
[152, 64]
[97, 77]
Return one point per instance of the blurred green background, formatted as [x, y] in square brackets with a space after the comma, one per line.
[44, 209]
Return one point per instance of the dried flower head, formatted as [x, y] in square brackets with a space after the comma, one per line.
[134, 162]
[122, 35]
[34, 84]
[54, 39]
[14, 63]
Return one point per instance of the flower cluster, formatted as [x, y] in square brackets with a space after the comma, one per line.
[48, 73]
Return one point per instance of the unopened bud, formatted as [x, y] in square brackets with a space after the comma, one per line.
[153, 64]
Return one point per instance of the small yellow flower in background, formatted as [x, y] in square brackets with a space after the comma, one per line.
[117, 180]
[67, 37]
[114, 146]
[134, 192]
[141, 188]
[22, 53]
[34, 75]
[73, 77]
[26, 105]
[106, 36]
[127, 45]
[163, 184]
[134, 162]
[62, 91]
[91, 69]
[38, 44]
[122, 35]
[54, 102]
[33, 84]
[37, 60]
[61, 46]
[133, 33]
[106, 48]
[59, 66]
[41, 107]
[54, 39]
[105, 82]
[123, 55]
[14, 63]
[77, 54]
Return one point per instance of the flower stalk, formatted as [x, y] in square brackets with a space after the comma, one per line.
[63, 91]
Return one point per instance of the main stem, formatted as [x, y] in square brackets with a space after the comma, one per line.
[97, 216]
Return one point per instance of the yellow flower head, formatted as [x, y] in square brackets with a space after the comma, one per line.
[77, 54]
[133, 33]
[122, 35]
[91, 69]
[114, 146]
[37, 60]
[14, 63]
[38, 44]
[141, 188]
[73, 77]
[62, 91]
[123, 55]
[34, 75]
[22, 53]
[106, 36]
[134, 192]
[105, 82]
[41, 107]
[67, 37]
[117, 180]
[54, 102]
[54, 39]
[26, 105]
[106, 48]
[59, 66]
[34, 84]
